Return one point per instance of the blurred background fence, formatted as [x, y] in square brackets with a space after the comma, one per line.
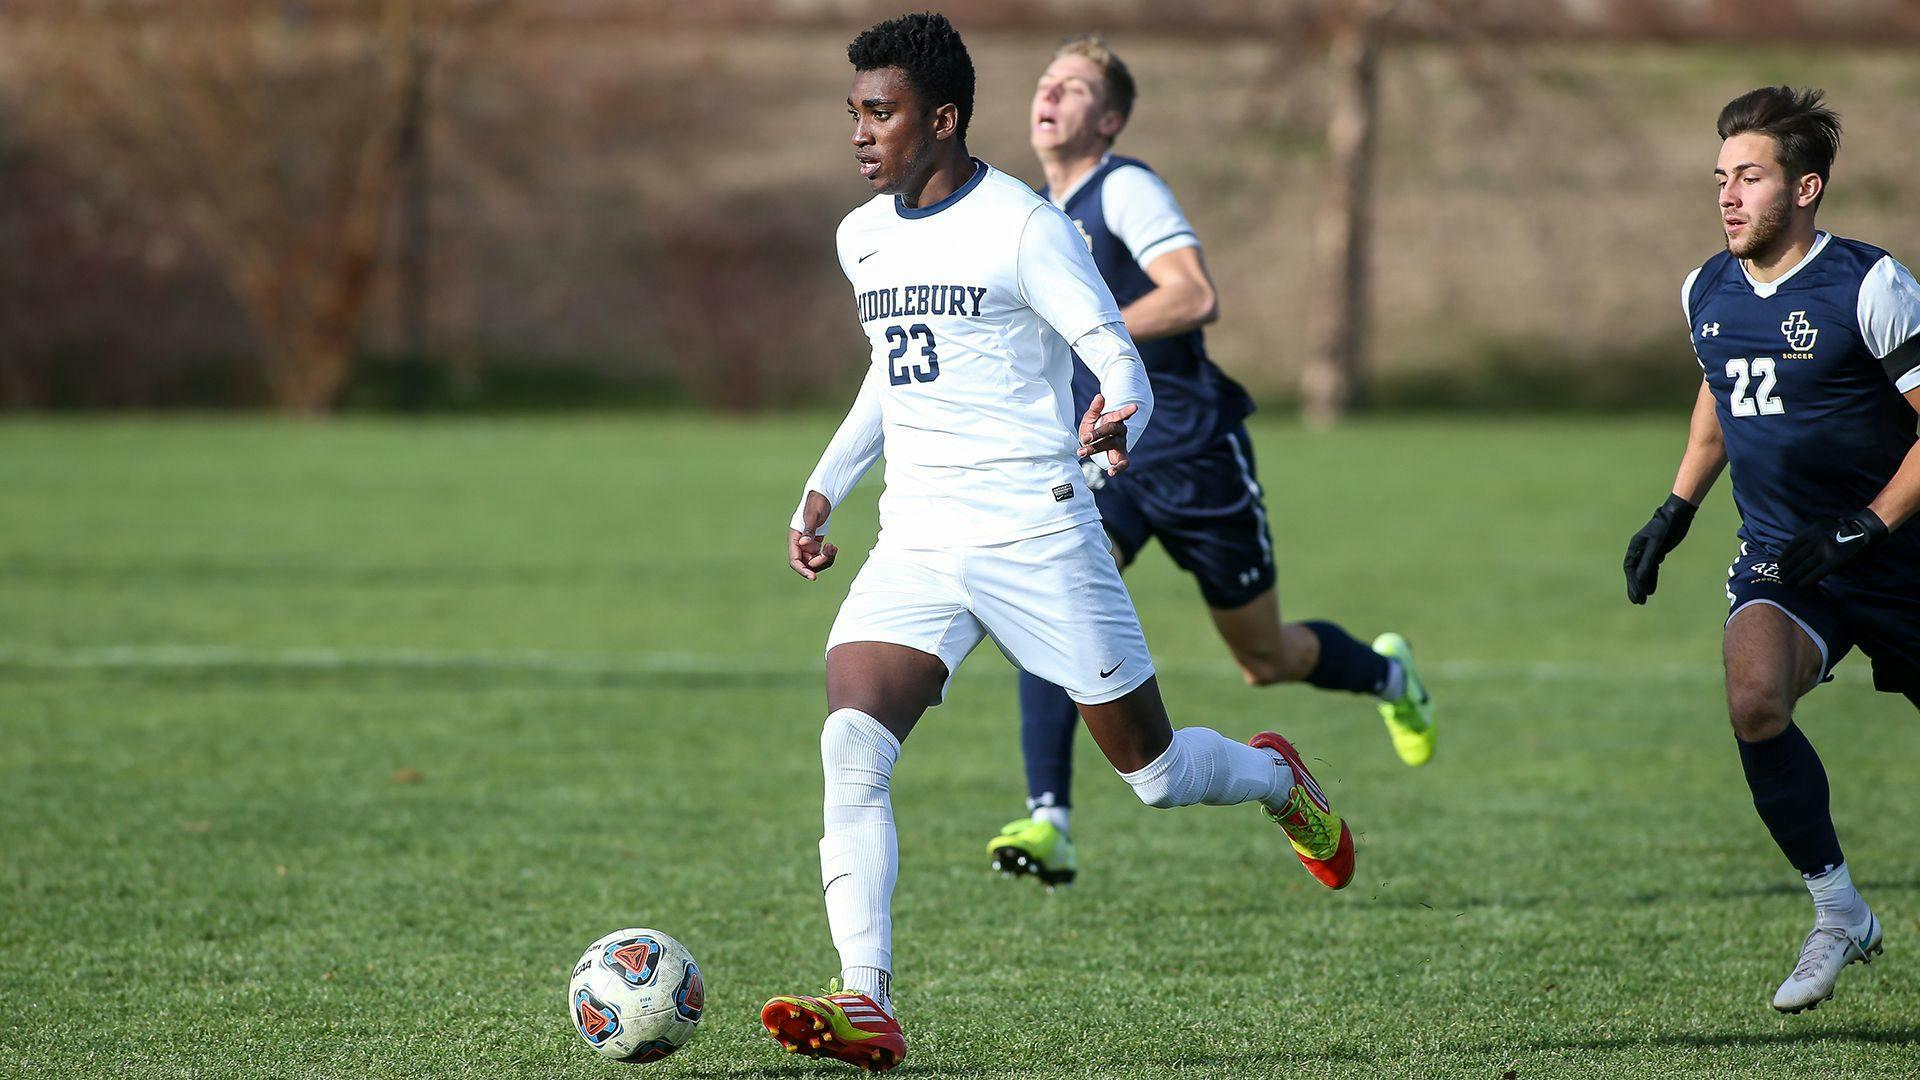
[497, 204]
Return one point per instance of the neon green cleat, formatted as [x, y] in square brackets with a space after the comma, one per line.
[1410, 717]
[1034, 847]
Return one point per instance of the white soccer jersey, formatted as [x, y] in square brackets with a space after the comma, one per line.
[972, 306]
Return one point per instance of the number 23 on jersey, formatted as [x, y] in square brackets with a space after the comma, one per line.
[924, 368]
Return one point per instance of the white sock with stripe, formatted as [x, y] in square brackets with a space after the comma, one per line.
[860, 853]
[1203, 766]
[871, 981]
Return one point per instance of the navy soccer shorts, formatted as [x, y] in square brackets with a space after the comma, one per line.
[1839, 613]
[1205, 509]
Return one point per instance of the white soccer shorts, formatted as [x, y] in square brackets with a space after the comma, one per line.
[1054, 604]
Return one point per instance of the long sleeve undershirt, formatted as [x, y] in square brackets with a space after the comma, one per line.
[851, 452]
[1113, 358]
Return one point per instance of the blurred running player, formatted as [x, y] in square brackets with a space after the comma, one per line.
[1810, 346]
[1190, 481]
[975, 294]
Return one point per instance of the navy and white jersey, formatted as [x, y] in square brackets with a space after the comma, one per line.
[1129, 218]
[1807, 373]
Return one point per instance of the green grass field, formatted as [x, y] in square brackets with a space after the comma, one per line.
[224, 644]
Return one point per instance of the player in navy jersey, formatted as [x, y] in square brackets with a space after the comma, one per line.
[1190, 482]
[1810, 349]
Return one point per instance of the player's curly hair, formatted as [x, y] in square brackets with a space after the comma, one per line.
[1804, 128]
[928, 49]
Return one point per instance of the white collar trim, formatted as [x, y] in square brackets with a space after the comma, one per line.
[1764, 289]
[1066, 196]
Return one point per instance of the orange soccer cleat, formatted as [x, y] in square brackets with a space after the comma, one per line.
[841, 1025]
[1319, 837]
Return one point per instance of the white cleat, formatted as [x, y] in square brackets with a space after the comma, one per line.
[1827, 952]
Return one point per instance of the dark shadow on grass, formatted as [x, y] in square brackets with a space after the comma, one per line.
[1907, 1036]
[1200, 1064]
[810, 1067]
[1452, 906]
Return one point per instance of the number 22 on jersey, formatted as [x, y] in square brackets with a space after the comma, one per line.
[1745, 373]
[926, 369]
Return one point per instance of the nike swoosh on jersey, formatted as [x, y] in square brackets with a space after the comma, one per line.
[1112, 669]
[867, 256]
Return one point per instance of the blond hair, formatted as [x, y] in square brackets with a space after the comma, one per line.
[1117, 91]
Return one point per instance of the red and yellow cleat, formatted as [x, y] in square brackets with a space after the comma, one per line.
[1319, 837]
[844, 1026]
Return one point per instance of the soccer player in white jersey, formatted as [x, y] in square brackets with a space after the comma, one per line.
[975, 294]
[1190, 483]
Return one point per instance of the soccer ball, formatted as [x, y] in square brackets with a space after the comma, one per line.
[636, 995]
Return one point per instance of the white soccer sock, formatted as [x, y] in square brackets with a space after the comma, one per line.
[1204, 766]
[1396, 683]
[860, 853]
[1836, 902]
[871, 981]
[1055, 816]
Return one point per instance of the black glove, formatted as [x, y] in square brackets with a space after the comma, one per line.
[1819, 550]
[1651, 544]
